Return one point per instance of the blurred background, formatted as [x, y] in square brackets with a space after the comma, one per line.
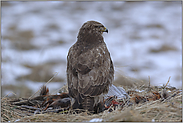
[144, 40]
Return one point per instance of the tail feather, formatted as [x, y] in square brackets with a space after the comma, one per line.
[84, 102]
[88, 103]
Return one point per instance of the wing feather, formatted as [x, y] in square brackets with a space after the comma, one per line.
[96, 79]
[90, 73]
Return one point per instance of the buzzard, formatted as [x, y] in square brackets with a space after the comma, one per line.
[90, 69]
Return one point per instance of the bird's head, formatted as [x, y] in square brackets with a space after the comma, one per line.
[93, 27]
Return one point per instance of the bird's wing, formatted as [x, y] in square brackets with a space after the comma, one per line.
[90, 72]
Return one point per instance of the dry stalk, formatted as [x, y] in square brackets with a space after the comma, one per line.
[8, 94]
[167, 82]
[56, 73]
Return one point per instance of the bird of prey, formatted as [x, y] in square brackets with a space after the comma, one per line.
[90, 69]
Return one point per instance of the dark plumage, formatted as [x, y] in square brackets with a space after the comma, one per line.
[90, 69]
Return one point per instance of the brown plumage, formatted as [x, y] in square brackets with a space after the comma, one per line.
[90, 69]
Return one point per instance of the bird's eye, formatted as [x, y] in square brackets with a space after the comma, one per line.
[97, 26]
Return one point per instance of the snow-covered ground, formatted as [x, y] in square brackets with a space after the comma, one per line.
[136, 29]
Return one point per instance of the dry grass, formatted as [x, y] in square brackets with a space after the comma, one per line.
[167, 110]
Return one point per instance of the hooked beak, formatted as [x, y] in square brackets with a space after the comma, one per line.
[105, 30]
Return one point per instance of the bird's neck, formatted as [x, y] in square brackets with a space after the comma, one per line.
[85, 43]
[90, 39]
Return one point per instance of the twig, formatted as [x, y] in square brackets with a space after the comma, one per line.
[156, 116]
[30, 107]
[61, 110]
[149, 87]
[6, 116]
[56, 73]
[141, 87]
[8, 94]
[149, 81]
[169, 97]
[167, 82]
[44, 85]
